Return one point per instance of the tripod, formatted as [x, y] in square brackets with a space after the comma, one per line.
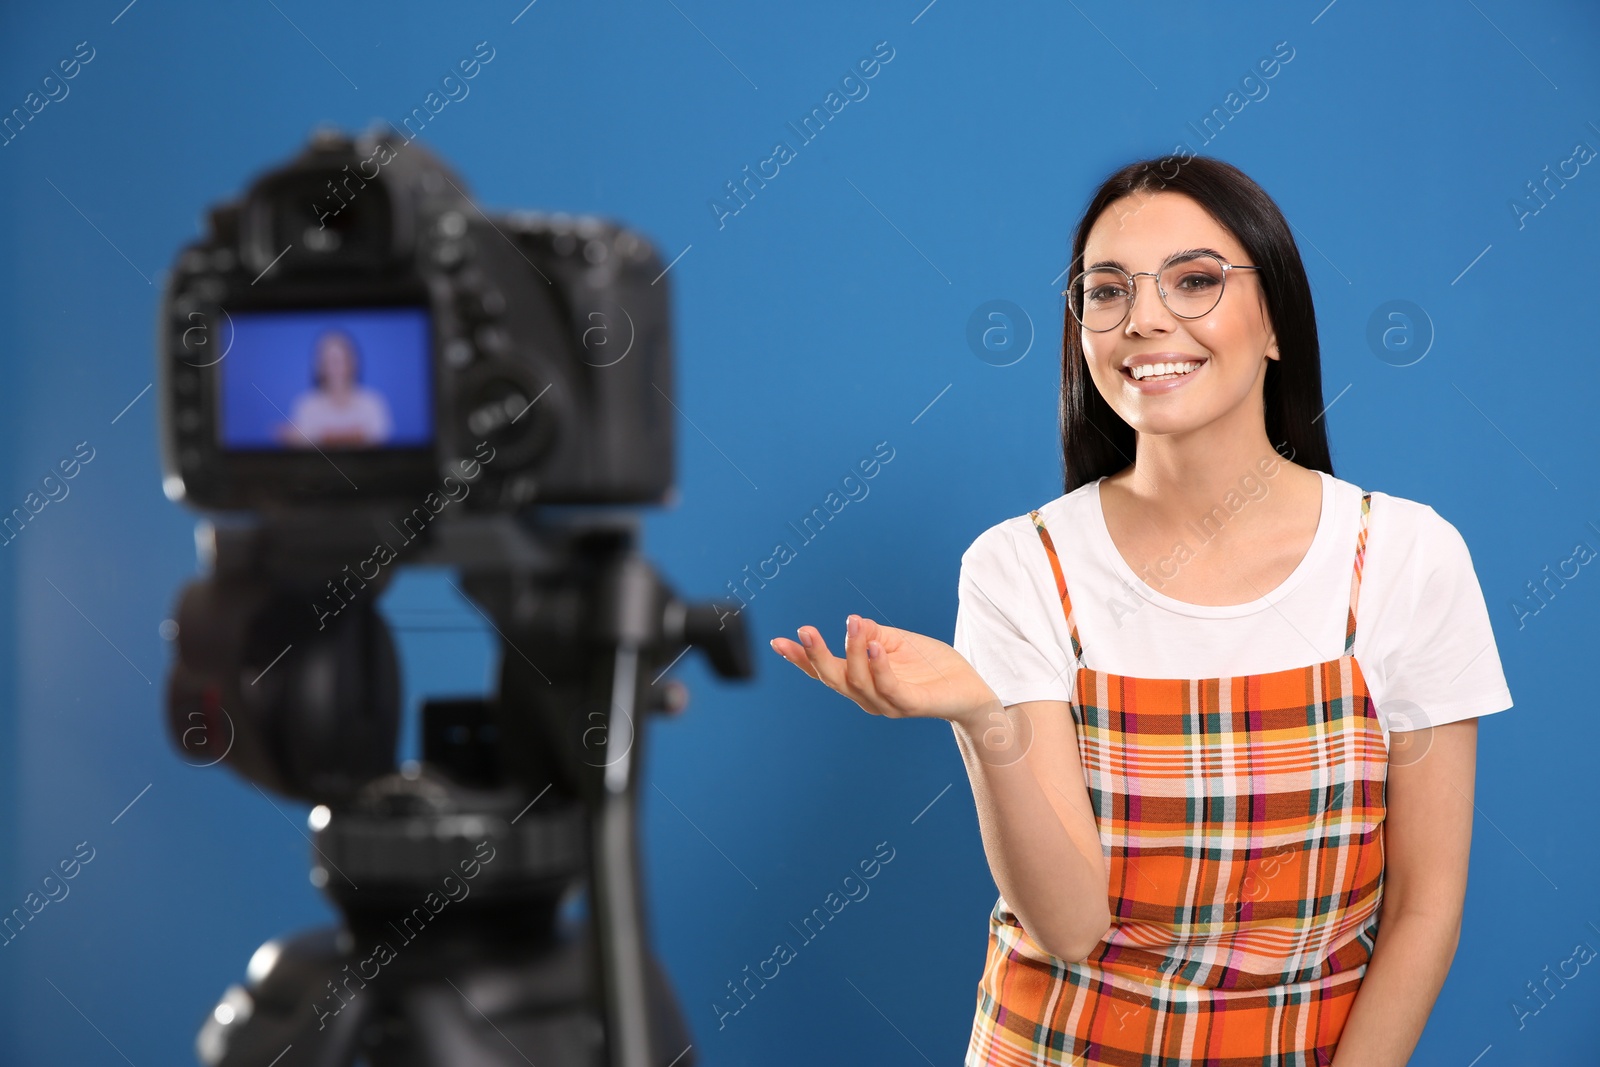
[451, 876]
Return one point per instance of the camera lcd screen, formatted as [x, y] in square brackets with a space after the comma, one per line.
[327, 378]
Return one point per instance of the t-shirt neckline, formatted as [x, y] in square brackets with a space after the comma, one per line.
[1327, 522]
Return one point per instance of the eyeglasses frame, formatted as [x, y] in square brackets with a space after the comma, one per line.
[1160, 291]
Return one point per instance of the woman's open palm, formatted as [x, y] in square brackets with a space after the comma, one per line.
[892, 672]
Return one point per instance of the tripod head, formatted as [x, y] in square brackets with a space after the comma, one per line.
[522, 798]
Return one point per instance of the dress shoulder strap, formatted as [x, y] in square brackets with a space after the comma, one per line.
[1061, 583]
[1355, 576]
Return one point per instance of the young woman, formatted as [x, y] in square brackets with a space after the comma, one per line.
[338, 411]
[1199, 806]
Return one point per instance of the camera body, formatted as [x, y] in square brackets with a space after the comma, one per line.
[355, 331]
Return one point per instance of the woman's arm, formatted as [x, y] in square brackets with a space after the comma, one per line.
[1033, 804]
[1427, 839]
[1038, 826]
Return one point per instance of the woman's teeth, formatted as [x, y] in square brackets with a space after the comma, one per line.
[1161, 371]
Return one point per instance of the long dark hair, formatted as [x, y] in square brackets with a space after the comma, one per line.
[1095, 441]
[350, 347]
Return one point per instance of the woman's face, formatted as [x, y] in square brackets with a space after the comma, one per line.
[1232, 342]
[337, 363]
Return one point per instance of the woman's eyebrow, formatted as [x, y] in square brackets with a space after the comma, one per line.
[1187, 253]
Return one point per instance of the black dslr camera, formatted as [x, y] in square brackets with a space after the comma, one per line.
[361, 370]
[356, 329]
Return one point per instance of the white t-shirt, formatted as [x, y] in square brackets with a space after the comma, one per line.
[1423, 638]
[317, 415]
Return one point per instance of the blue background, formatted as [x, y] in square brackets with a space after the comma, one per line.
[832, 312]
[275, 352]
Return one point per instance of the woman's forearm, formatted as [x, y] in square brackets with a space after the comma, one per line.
[1408, 967]
[1041, 868]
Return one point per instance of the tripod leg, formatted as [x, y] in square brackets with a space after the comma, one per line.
[618, 911]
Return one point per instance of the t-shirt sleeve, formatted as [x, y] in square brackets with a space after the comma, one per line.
[1447, 667]
[1001, 627]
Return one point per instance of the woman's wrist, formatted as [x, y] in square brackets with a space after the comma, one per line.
[975, 718]
[996, 735]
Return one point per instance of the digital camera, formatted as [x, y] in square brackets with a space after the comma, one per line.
[356, 329]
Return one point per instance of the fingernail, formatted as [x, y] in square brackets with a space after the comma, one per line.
[872, 650]
[773, 644]
[805, 638]
[850, 624]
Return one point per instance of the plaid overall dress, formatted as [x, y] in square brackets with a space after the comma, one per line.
[1241, 820]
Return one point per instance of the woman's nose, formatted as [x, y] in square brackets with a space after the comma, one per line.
[1149, 311]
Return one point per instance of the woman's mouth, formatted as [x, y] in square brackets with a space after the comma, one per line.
[1151, 376]
[1160, 371]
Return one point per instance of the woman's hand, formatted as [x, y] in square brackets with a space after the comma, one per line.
[895, 673]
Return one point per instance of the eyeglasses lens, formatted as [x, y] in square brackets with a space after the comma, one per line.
[1100, 299]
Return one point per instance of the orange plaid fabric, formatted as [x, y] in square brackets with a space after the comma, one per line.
[1242, 824]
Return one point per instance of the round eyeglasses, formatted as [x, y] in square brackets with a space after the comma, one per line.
[1190, 286]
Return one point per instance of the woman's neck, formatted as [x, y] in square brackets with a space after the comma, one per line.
[1169, 490]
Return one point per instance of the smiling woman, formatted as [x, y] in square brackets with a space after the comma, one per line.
[1194, 820]
[1180, 736]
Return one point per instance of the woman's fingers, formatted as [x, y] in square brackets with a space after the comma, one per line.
[865, 678]
[856, 671]
[867, 671]
[827, 666]
[795, 653]
[891, 692]
[888, 693]
[831, 669]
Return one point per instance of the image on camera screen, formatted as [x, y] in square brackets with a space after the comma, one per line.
[327, 378]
